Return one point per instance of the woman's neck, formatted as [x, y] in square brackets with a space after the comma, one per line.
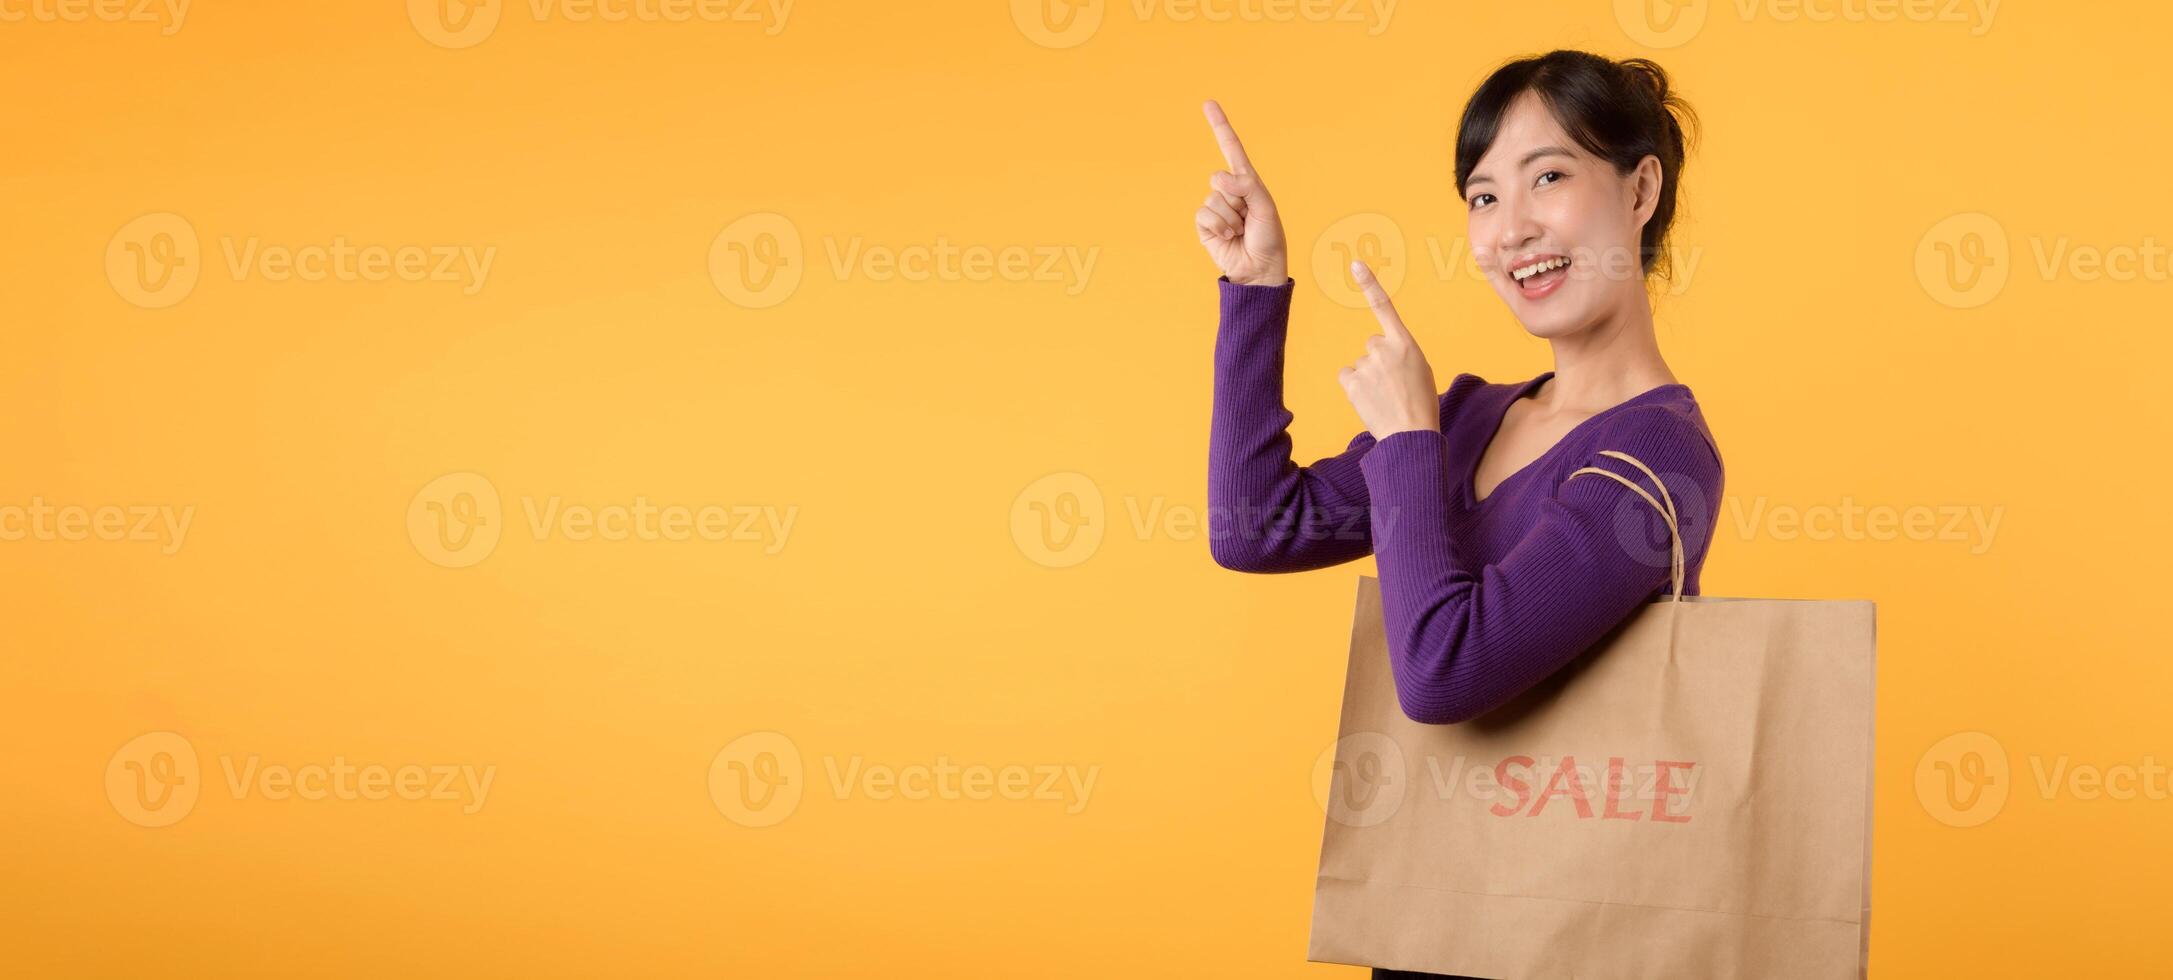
[1607, 364]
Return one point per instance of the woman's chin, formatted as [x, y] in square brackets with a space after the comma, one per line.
[1550, 323]
[1557, 312]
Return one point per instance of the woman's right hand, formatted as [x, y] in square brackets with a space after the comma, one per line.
[1238, 224]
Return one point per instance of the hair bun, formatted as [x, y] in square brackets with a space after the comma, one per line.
[1650, 77]
[1649, 74]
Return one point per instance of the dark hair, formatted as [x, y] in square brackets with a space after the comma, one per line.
[1620, 111]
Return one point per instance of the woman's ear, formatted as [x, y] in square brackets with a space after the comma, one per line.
[1645, 184]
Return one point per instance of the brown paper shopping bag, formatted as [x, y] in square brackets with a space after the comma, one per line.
[1690, 798]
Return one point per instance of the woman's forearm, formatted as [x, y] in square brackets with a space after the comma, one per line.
[1265, 513]
[1465, 638]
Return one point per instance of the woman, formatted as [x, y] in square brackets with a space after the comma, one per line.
[1495, 569]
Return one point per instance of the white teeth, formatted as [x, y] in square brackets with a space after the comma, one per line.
[1536, 268]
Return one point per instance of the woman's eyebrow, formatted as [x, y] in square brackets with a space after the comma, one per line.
[1481, 178]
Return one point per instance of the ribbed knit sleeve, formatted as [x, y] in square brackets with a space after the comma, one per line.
[1265, 513]
[1464, 638]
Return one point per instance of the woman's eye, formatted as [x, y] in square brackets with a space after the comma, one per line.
[1550, 173]
[1479, 199]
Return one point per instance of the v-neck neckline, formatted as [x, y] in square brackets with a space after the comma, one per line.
[1470, 483]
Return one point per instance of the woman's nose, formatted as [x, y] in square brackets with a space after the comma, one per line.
[1518, 228]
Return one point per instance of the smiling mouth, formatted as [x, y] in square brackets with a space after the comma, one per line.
[1526, 274]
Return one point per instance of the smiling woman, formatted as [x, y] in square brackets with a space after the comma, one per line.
[1495, 569]
[1569, 112]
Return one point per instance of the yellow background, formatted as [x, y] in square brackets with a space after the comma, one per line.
[906, 618]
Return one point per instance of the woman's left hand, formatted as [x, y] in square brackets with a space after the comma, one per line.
[1392, 387]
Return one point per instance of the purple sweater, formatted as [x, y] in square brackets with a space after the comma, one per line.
[1481, 598]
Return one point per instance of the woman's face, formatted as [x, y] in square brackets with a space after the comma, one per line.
[1537, 198]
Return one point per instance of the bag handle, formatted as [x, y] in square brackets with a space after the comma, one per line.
[1667, 512]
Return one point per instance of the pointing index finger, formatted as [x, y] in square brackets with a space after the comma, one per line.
[1233, 152]
[1377, 298]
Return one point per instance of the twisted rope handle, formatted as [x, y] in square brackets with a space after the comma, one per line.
[1667, 512]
